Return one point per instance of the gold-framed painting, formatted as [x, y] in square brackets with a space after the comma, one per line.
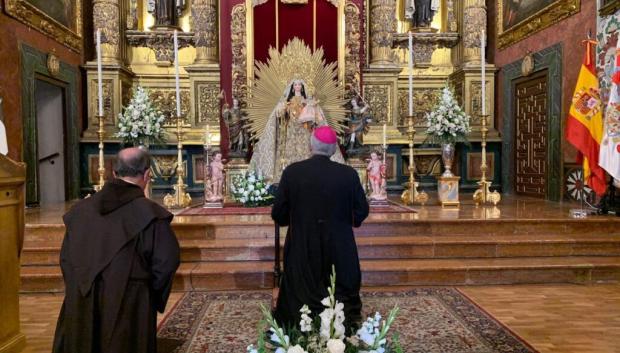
[518, 19]
[609, 7]
[58, 19]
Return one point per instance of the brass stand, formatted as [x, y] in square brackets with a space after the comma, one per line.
[411, 194]
[483, 194]
[180, 199]
[101, 169]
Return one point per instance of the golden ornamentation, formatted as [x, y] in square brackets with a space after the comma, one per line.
[424, 100]
[107, 86]
[180, 198]
[53, 64]
[165, 101]
[296, 61]
[161, 42]
[411, 194]
[378, 98]
[164, 166]
[452, 22]
[428, 165]
[106, 17]
[475, 19]
[352, 48]
[382, 28]
[101, 168]
[208, 103]
[204, 16]
[425, 44]
[609, 7]
[30, 15]
[550, 15]
[239, 51]
[132, 16]
[476, 103]
[483, 194]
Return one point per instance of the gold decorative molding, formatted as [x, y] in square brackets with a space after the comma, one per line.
[204, 16]
[69, 36]
[382, 27]
[609, 7]
[107, 86]
[550, 15]
[352, 47]
[165, 100]
[208, 105]
[424, 100]
[239, 59]
[378, 98]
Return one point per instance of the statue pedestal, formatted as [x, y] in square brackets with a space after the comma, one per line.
[378, 203]
[448, 191]
[360, 167]
[235, 167]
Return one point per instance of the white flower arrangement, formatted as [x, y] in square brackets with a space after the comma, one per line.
[326, 333]
[141, 123]
[447, 123]
[251, 190]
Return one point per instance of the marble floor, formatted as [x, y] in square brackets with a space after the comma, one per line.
[552, 318]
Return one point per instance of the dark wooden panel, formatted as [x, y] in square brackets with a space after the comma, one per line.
[531, 129]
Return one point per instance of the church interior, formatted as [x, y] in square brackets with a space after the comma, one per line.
[493, 238]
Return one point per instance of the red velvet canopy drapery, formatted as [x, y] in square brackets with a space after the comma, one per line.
[315, 22]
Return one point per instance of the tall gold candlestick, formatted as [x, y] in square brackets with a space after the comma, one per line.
[180, 198]
[411, 194]
[483, 194]
[101, 169]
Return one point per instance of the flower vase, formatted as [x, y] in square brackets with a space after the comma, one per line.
[447, 156]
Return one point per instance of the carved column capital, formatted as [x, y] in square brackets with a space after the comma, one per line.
[204, 15]
[382, 28]
[106, 16]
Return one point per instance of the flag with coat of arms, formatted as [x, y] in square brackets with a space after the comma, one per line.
[584, 126]
[609, 157]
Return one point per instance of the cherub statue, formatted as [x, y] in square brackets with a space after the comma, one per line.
[214, 186]
[237, 135]
[358, 124]
[376, 177]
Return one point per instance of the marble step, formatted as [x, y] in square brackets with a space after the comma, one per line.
[386, 247]
[412, 272]
[260, 229]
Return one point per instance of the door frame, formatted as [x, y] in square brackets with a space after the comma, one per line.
[549, 59]
[34, 66]
[543, 73]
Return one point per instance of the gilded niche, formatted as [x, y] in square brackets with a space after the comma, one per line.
[353, 47]
[208, 103]
[378, 98]
[239, 54]
[165, 101]
[424, 100]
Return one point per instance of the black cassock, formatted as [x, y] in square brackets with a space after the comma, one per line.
[321, 201]
[118, 260]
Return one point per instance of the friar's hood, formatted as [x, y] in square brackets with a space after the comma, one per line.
[116, 194]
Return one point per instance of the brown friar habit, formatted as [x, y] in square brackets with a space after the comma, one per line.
[118, 259]
[321, 201]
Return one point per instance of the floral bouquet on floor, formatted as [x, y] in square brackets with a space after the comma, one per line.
[251, 190]
[447, 123]
[326, 333]
[141, 124]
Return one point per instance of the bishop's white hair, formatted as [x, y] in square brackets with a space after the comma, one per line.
[322, 148]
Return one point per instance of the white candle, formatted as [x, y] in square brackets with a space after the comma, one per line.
[176, 72]
[483, 70]
[208, 137]
[384, 135]
[99, 75]
[410, 73]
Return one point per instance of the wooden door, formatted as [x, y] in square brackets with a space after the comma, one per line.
[531, 130]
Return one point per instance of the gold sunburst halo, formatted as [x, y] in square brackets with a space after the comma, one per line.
[295, 61]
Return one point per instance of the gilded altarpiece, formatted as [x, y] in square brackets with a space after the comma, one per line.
[372, 58]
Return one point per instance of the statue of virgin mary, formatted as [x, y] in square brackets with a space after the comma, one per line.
[286, 138]
[295, 91]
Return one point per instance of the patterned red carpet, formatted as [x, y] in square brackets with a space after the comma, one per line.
[440, 320]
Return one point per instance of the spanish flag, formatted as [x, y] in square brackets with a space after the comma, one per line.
[584, 127]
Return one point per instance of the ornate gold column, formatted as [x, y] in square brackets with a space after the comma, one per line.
[474, 20]
[204, 14]
[204, 73]
[382, 29]
[107, 17]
